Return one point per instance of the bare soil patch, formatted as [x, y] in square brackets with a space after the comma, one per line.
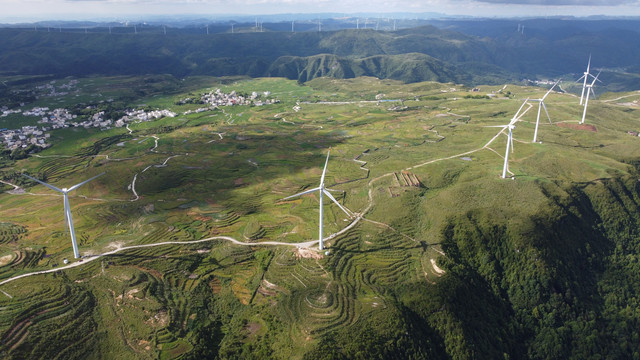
[253, 328]
[438, 270]
[6, 259]
[587, 127]
[307, 254]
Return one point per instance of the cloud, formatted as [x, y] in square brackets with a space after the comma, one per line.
[564, 2]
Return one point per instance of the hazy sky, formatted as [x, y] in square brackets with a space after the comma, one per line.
[13, 10]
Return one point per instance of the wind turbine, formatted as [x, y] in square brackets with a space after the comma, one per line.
[509, 126]
[585, 77]
[67, 208]
[540, 106]
[589, 89]
[322, 190]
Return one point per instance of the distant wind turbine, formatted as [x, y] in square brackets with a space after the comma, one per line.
[322, 190]
[541, 105]
[585, 78]
[586, 102]
[510, 127]
[67, 208]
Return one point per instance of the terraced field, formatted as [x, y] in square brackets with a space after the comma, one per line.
[148, 287]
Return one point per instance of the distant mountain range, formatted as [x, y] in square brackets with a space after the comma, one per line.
[455, 50]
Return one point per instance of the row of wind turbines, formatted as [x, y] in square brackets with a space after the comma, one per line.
[323, 190]
[586, 88]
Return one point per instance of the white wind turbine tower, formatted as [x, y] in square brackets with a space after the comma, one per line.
[509, 126]
[585, 77]
[586, 102]
[540, 106]
[322, 190]
[67, 208]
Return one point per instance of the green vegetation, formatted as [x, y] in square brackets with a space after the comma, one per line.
[446, 261]
[493, 54]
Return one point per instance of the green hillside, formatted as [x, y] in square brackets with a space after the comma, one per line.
[424, 53]
[190, 251]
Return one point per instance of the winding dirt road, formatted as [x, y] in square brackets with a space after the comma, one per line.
[358, 216]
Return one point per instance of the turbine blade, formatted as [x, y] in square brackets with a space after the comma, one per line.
[596, 78]
[593, 92]
[515, 117]
[336, 201]
[325, 168]
[302, 193]
[547, 112]
[511, 139]
[496, 126]
[549, 92]
[44, 183]
[589, 64]
[84, 182]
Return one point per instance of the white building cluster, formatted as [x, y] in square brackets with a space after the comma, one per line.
[6, 112]
[141, 115]
[62, 118]
[218, 98]
[23, 137]
[55, 119]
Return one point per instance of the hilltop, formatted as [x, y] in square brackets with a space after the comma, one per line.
[203, 258]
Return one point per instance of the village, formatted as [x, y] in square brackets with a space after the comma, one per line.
[62, 118]
[218, 98]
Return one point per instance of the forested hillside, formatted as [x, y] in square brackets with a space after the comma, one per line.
[411, 55]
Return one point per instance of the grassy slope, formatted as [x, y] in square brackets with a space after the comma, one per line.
[522, 250]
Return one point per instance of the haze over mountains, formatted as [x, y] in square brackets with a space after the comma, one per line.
[469, 51]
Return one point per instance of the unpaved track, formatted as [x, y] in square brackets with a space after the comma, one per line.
[356, 220]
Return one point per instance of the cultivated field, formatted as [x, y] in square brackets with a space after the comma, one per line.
[405, 158]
